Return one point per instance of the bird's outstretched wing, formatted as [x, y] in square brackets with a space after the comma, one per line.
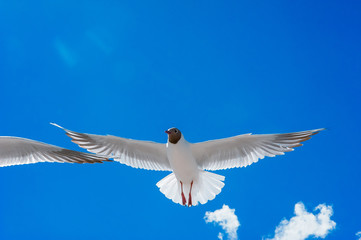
[17, 151]
[134, 153]
[243, 150]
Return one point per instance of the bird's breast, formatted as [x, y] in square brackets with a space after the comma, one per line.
[182, 161]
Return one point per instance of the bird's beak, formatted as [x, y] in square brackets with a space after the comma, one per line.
[167, 132]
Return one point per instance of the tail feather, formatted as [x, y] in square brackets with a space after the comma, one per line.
[169, 187]
[204, 189]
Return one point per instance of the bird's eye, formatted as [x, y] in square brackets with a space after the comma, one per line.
[175, 131]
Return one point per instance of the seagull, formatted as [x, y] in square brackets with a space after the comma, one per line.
[17, 151]
[190, 182]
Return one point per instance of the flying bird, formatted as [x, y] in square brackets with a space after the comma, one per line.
[17, 151]
[190, 183]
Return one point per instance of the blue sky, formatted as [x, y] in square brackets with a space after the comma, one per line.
[210, 68]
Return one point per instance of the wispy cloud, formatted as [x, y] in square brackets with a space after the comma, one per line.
[306, 224]
[359, 235]
[99, 42]
[226, 218]
[65, 53]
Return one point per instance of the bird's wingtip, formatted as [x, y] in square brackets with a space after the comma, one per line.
[56, 125]
[319, 130]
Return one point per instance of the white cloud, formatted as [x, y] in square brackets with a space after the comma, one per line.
[226, 218]
[359, 235]
[220, 236]
[306, 224]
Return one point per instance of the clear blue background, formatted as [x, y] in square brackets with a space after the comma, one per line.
[213, 69]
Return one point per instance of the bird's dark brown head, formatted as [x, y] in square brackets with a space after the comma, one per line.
[174, 135]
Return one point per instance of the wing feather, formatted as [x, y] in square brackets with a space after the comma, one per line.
[243, 150]
[138, 154]
[17, 151]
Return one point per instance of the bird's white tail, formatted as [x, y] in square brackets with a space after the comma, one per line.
[205, 188]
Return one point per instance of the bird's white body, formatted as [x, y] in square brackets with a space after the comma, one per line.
[182, 161]
[188, 183]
